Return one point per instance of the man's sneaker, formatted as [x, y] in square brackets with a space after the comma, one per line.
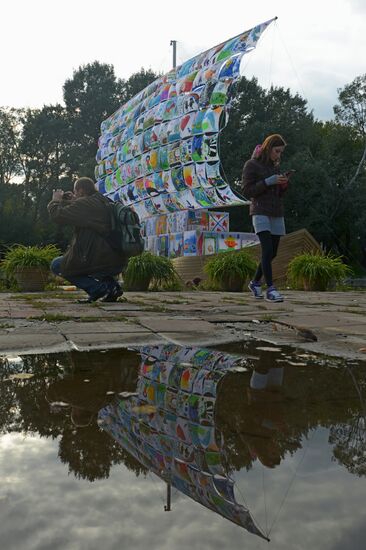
[255, 289]
[114, 293]
[273, 295]
[103, 290]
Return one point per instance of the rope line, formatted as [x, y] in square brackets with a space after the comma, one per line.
[291, 482]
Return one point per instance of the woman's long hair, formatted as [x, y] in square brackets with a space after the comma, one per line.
[263, 152]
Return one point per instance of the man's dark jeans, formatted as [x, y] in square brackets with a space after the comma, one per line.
[96, 285]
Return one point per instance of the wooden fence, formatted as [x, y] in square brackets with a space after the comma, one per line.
[290, 246]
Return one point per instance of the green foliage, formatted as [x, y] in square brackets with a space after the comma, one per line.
[230, 269]
[315, 271]
[137, 82]
[20, 256]
[91, 95]
[44, 152]
[147, 268]
[257, 113]
[352, 105]
[10, 164]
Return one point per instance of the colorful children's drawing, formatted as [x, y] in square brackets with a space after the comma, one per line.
[174, 121]
[190, 243]
[218, 221]
[175, 245]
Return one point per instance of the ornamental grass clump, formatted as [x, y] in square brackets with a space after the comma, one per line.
[28, 266]
[146, 268]
[231, 270]
[316, 271]
[19, 257]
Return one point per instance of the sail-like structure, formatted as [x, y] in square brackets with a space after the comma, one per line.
[169, 425]
[159, 152]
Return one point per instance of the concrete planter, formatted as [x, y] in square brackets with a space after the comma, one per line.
[31, 279]
[233, 284]
[140, 285]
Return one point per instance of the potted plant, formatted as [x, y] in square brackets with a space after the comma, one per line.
[147, 268]
[29, 265]
[230, 270]
[315, 271]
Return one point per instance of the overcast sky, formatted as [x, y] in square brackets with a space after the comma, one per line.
[314, 48]
[311, 502]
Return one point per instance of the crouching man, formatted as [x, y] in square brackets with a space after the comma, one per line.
[90, 263]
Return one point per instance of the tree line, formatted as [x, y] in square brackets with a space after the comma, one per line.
[47, 148]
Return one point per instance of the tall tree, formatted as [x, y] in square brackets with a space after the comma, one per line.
[137, 82]
[91, 95]
[256, 113]
[352, 105]
[10, 127]
[43, 146]
[351, 112]
[318, 199]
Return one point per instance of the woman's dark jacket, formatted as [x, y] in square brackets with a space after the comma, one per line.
[89, 251]
[265, 200]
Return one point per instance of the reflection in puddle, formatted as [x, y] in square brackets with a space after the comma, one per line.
[204, 421]
[169, 427]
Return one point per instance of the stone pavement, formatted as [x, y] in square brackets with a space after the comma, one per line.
[53, 321]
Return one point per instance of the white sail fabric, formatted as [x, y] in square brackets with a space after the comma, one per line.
[159, 151]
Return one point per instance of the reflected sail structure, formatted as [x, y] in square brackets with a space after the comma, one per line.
[169, 425]
[159, 152]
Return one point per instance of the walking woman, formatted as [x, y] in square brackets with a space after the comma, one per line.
[264, 186]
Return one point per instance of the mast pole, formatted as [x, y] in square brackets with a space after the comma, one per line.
[174, 44]
[167, 507]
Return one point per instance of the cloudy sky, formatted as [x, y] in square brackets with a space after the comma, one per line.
[314, 48]
[311, 504]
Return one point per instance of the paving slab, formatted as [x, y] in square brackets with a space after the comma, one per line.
[172, 324]
[322, 320]
[38, 328]
[121, 307]
[114, 327]
[351, 328]
[82, 342]
[32, 343]
[197, 338]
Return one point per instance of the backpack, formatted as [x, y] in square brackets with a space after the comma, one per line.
[125, 235]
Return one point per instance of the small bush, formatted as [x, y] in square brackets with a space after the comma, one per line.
[316, 271]
[147, 269]
[230, 270]
[19, 256]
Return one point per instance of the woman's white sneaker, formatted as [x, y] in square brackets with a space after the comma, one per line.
[273, 295]
[256, 290]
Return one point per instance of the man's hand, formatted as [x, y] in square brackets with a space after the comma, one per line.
[68, 196]
[57, 195]
[60, 195]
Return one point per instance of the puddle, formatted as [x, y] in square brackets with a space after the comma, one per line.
[171, 447]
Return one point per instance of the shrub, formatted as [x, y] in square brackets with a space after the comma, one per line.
[27, 267]
[230, 270]
[315, 271]
[18, 257]
[147, 268]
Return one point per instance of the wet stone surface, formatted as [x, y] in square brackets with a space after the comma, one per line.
[172, 447]
[48, 322]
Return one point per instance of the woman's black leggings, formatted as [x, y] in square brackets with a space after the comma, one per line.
[269, 246]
